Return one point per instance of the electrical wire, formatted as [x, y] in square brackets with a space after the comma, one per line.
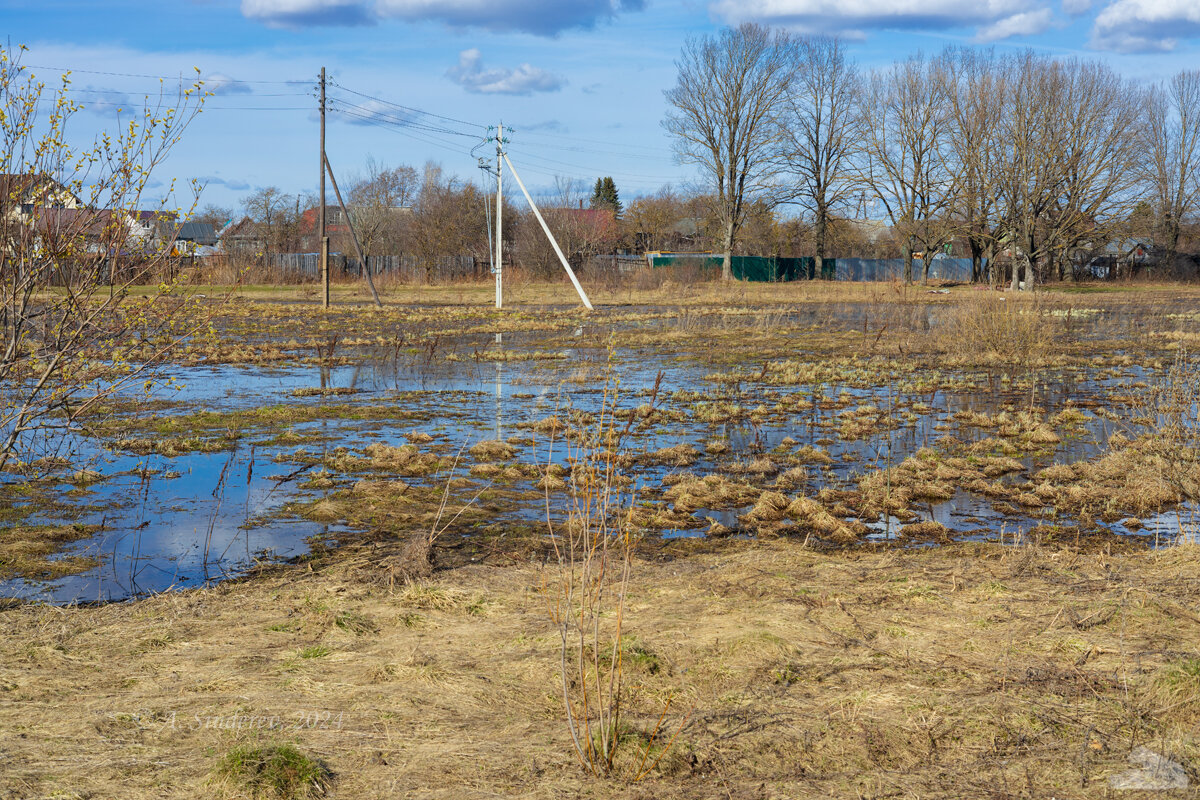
[402, 130]
[407, 108]
[156, 77]
[401, 121]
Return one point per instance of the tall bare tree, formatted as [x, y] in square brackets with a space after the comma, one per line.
[820, 130]
[976, 90]
[1071, 131]
[1102, 119]
[273, 210]
[1173, 155]
[449, 220]
[724, 115]
[907, 154]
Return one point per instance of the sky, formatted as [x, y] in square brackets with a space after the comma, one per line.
[578, 84]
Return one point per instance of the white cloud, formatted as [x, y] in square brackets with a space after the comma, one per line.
[525, 79]
[542, 17]
[1025, 24]
[852, 17]
[1076, 7]
[219, 83]
[1139, 26]
[303, 13]
[368, 112]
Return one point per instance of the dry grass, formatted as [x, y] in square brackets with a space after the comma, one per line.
[32, 551]
[963, 671]
[1005, 328]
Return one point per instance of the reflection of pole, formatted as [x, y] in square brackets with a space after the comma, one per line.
[553, 242]
[499, 395]
[499, 217]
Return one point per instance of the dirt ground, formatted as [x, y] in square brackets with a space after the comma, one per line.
[969, 670]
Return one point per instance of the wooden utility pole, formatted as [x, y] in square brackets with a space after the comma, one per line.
[324, 239]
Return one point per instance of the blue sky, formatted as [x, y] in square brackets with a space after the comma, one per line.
[580, 81]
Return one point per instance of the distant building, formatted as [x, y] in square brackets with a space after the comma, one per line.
[22, 194]
[242, 237]
[197, 233]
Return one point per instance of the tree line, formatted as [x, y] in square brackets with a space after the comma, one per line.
[1046, 161]
[1031, 166]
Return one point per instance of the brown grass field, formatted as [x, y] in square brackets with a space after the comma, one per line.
[960, 671]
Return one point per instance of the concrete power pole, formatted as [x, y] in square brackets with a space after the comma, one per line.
[323, 239]
[500, 217]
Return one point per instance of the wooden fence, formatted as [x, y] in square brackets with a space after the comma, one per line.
[404, 268]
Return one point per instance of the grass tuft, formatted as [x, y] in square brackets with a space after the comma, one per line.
[278, 772]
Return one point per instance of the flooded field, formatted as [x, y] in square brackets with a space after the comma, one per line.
[876, 419]
[856, 542]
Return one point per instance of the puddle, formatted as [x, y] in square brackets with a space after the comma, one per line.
[220, 515]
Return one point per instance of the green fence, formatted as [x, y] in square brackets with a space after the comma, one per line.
[761, 269]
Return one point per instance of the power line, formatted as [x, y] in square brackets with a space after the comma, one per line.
[401, 121]
[92, 90]
[156, 77]
[590, 168]
[403, 130]
[408, 108]
[610, 143]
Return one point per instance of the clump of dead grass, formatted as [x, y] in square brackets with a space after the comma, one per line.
[690, 493]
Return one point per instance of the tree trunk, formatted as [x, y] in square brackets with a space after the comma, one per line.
[1016, 269]
[727, 263]
[819, 234]
[1172, 238]
[908, 259]
[976, 261]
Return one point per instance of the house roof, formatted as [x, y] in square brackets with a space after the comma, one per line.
[245, 228]
[73, 221]
[26, 187]
[198, 232]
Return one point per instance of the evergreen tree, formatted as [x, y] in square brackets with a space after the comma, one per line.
[605, 195]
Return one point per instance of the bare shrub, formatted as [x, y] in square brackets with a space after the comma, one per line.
[998, 328]
[585, 594]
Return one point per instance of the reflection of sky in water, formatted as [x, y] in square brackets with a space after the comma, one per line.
[199, 526]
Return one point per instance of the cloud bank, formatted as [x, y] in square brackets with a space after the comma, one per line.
[1145, 26]
[470, 74]
[540, 17]
[992, 19]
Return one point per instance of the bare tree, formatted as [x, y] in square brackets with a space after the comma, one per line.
[1071, 130]
[1173, 155]
[976, 90]
[725, 107]
[449, 220]
[650, 221]
[1029, 175]
[380, 204]
[821, 130]
[271, 209]
[1102, 117]
[907, 125]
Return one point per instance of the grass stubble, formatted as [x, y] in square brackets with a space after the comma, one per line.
[964, 670]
